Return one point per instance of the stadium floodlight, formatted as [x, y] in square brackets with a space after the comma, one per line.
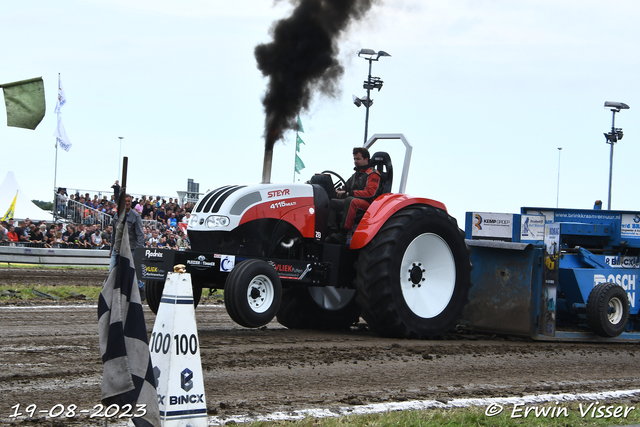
[616, 106]
[369, 84]
[612, 137]
[362, 101]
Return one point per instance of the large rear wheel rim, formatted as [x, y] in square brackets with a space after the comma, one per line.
[330, 297]
[428, 275]
[260, 293]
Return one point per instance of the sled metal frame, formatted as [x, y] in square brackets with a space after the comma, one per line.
[520, 289]
[509, 296]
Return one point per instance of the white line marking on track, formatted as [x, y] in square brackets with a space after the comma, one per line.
[417, 405]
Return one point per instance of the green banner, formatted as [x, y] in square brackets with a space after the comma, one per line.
[24, 101]
[300, 128]
[299, 164]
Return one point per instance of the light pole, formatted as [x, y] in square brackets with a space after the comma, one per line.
[120, 156]
[613, 137]
[558, 190]
[371, 83]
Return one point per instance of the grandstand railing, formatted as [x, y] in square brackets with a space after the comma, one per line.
[62, 245]
[79, 213]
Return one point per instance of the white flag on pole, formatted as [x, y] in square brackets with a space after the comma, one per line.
[61, 136]
[62, 99]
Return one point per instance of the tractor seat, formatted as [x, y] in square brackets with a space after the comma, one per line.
[381, 161]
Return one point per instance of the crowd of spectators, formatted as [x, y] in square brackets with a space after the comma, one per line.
[41, 234]
[165, 224]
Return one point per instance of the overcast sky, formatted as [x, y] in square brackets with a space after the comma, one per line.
[485, 91]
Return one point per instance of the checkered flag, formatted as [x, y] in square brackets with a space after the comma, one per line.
[128, 373]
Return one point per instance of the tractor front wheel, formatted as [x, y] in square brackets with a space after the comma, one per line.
[608, 310]
[413, 277]
[252, 293]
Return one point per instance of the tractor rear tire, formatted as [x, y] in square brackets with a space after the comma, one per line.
[414, 276]
[324, 308]
[154, 289]
[608, 310]
[252, 293]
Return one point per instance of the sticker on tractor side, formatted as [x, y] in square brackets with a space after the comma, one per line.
[152, 253]
[152, 272]
[282, 204]
[201, 263]
[288, 271]
[227, 262]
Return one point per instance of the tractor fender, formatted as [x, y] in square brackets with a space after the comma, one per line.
[381, 210]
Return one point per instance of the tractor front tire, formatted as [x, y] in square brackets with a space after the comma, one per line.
[414, 276]
[154, 289]
[325, 308]
[608, 310]
[252, 293]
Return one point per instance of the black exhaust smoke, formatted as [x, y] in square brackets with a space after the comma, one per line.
[302, 58]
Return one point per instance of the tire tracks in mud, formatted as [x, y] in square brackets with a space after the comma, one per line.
[51, 355]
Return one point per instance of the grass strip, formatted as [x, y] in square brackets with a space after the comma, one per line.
[551, 414]
[49, 267]
[63, 292]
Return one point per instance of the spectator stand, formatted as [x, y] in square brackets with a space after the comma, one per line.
[79, 213]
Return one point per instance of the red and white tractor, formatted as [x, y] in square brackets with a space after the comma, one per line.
[405, 269]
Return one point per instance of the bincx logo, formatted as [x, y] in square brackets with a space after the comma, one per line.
[186, 399]
[186, 379]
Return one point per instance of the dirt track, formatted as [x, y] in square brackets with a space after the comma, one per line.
[53, 277]
[50, 356]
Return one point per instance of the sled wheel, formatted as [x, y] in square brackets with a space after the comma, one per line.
[413, 278]
[327, 308]
[608, 310]
[154, 289]
[252, 293]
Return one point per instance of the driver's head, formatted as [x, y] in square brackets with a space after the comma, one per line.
[360, 157]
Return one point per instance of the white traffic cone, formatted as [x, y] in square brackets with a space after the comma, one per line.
[175, 354]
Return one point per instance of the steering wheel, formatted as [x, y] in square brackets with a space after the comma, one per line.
[340, 183]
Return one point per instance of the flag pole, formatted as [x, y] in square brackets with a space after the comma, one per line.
[55, 173]
[295, 154]
[299, 129]
[121, 206]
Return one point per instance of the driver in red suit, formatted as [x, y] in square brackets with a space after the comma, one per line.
[357, 194]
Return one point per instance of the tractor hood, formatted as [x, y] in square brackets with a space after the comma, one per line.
[225, 208]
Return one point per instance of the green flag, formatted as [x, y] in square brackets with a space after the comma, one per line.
[298, 142]
[299, 164]
[24, 101]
